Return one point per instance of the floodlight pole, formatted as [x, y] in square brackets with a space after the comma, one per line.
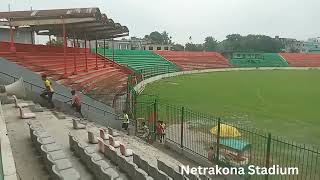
[112, 50]
[104, 52]
[96, 54]
[12, 48]
[74, 54]
[50, 43]
[85, 51]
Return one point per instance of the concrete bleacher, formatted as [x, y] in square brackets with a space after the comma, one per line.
[65, 151]
[195, 60]
[41, 141]
[302, 59]
[263, 60]
[98, 73]
[145, 62]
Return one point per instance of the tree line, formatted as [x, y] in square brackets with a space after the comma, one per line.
[233, 42]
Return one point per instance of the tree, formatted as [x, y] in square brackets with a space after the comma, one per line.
[178, 47]
[156, 37]
[165, 37]
[250, 43]
[159, 38]
[210, 44]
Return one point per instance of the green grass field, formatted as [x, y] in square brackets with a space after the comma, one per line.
[283, 102]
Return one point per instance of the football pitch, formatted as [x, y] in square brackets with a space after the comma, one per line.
[283, 102]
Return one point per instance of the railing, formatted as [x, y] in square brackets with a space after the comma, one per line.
[66, 97]
[196, 132]
[156, 70]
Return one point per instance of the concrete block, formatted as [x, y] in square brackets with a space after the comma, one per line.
[109, 174]
[79, 150]
[77, 125]
[69, 174]
[131, 170]
[41, 133]
[154, 172]
[122, 162]
[44, 141]
[113, 132]
[136, 159]
[62, 164]
[103, 134]
[113, 142]
[162, 176]
[52, 157]
[177, 176]
[55, 173]
[86, 156]
[141, 174]
[125, 151]
[144, 165]
[101, 145]
[49, 148]
[26, 115]
[92, 137]
[113, 156]
[73, 141]
[163, 167]
[98, 166]
[94, 158]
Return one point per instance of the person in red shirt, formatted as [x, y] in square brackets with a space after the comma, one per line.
[76, 102]
[160, 131]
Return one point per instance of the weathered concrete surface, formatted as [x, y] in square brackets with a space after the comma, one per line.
[27, 161]
[23, 150]
[8, 165]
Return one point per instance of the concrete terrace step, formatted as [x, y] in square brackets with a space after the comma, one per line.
[80, 75]
[106, 82]
[92, 77]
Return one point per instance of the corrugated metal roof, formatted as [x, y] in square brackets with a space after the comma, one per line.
[82, 22]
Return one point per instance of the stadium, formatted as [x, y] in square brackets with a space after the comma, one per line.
[248, 108]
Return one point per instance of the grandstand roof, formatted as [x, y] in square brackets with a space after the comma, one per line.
[82, 23]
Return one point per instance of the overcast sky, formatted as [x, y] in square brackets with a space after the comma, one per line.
[200, 18]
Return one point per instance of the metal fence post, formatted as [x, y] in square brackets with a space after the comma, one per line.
[218, 140]
[182, 133]
[135, 113]
[268, 154]
[155, 119]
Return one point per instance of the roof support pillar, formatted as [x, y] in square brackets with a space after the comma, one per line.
[64, 50]
[112, 50]
[97, 54]
[12, 47]
[85, 52]
[104, 52]
[74, 54]
[50, 41]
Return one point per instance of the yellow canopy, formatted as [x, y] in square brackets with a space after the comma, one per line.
[225, 131]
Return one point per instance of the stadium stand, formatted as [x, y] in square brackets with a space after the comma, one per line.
[195, 60]
[302, 59]
[257, 60]
[145, 62]
[97, 73]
